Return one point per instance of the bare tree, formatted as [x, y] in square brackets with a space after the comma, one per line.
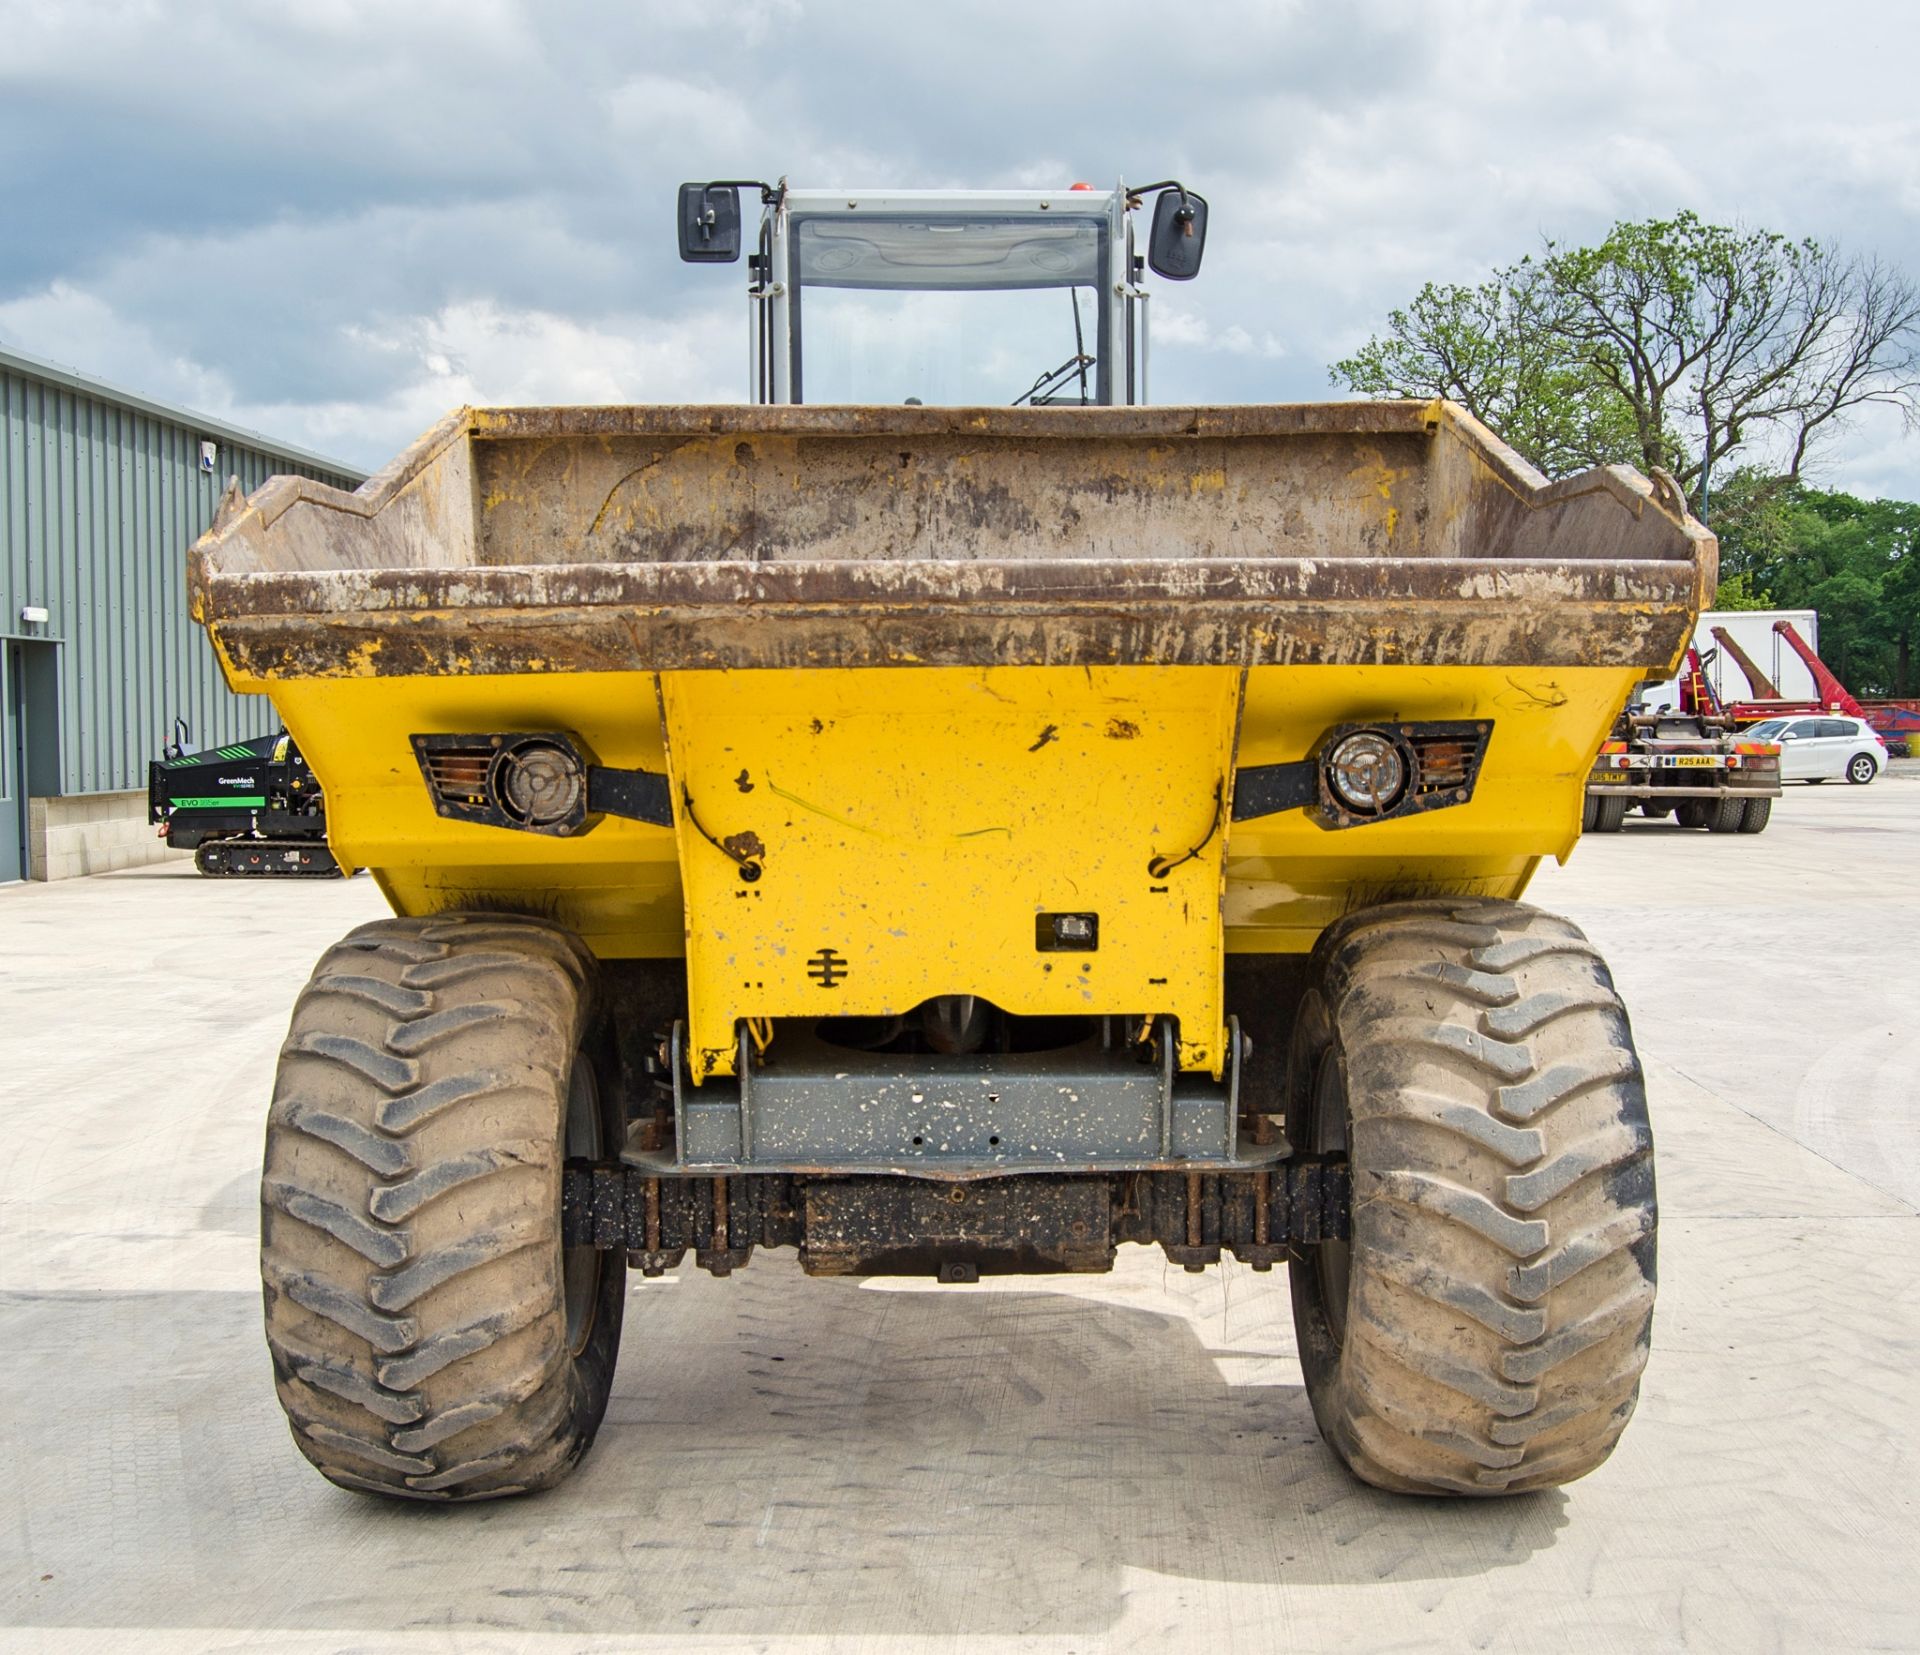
[1672, 342]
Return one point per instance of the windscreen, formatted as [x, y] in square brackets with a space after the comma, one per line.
[946, 310]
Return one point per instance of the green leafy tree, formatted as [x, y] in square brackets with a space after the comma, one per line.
[1737, 592]
[1857, 562]
[1672, 343]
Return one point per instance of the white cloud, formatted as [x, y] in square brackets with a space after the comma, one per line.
[474, 351]
[1875, 457]
[343, 215]
[1188, 330]
[81, 331]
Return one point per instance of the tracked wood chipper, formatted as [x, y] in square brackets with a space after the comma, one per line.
[955, 838]
[249, 809]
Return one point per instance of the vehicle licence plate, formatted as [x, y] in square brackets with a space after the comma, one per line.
[1693, 761]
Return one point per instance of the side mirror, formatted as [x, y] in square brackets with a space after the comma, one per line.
[1179, 235]
[709, 223]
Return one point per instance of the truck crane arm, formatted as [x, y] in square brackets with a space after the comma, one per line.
[1696, 690]
[1832, 693]
[1762, 686]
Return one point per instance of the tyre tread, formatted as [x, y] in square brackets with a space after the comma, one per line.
[411, 1269]
[1497, 1322]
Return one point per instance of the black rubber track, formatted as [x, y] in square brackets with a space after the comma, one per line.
[1500, 1277]
[267, 859]
[410, 1235]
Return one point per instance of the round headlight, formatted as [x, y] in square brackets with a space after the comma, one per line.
[539, 784]
[1366, 773]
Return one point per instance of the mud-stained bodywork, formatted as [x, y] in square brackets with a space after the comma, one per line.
[650, 539]
[1102, 616]
[954, 840]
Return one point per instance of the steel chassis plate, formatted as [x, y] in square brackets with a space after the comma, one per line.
[823, 1109]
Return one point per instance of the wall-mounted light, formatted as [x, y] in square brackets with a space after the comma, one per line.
[33, 615]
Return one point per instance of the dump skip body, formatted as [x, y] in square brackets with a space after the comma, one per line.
[928, 674]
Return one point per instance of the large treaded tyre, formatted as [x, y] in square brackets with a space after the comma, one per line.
[1756, 815]
[1484, 1330]
[1610, 813]
[431, 1338]
[1726, 815]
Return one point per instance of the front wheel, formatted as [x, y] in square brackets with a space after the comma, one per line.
[1861, 769]
[1484, 1328]
[432, 1338]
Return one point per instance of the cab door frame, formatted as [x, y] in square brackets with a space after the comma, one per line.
[30, 742]
[1799, 757]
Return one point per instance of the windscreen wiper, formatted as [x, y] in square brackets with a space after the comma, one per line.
[1076, 364]
[1054, 378]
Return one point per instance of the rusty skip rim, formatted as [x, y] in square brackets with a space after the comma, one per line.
[663, 617]
[502, 593]
[655, 419]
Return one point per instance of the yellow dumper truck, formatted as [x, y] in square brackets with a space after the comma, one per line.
[950, 817]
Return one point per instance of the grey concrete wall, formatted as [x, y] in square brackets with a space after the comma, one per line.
[91, 833]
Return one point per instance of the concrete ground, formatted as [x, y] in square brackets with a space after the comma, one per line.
[1112, 1463]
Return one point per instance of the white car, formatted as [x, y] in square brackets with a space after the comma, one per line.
[1823, 748]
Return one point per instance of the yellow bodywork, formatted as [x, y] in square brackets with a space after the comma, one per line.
[919, 676]
[915, 821]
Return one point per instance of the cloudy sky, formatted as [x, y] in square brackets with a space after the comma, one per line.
[333, 220]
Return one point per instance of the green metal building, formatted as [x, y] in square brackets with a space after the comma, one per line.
[101, 494]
